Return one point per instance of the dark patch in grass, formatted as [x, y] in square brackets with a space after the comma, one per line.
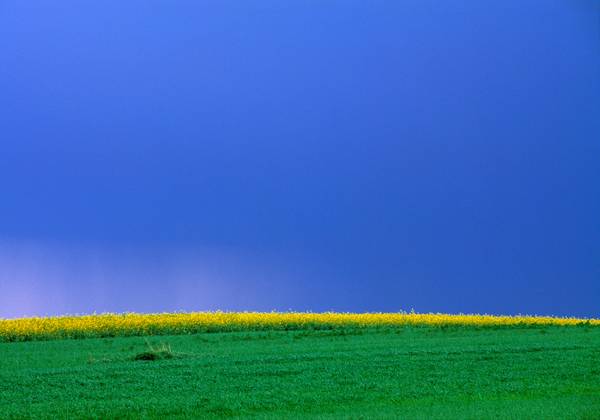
[151, 355]
[160, 352]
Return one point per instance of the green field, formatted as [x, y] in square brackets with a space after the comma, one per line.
[410, 372]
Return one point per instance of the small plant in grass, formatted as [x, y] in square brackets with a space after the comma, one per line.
[156, 352]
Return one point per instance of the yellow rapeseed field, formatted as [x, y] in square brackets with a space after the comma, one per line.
[128, 324]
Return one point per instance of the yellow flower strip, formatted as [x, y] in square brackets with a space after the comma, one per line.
[113, 325]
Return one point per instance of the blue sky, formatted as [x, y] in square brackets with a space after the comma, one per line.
[305, 155]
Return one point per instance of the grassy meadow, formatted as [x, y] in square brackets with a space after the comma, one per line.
[344, 370]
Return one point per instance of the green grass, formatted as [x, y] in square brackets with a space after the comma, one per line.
[410, 372]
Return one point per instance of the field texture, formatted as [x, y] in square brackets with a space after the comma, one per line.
[406, 371]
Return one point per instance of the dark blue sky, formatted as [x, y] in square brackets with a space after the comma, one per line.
[306, 155]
